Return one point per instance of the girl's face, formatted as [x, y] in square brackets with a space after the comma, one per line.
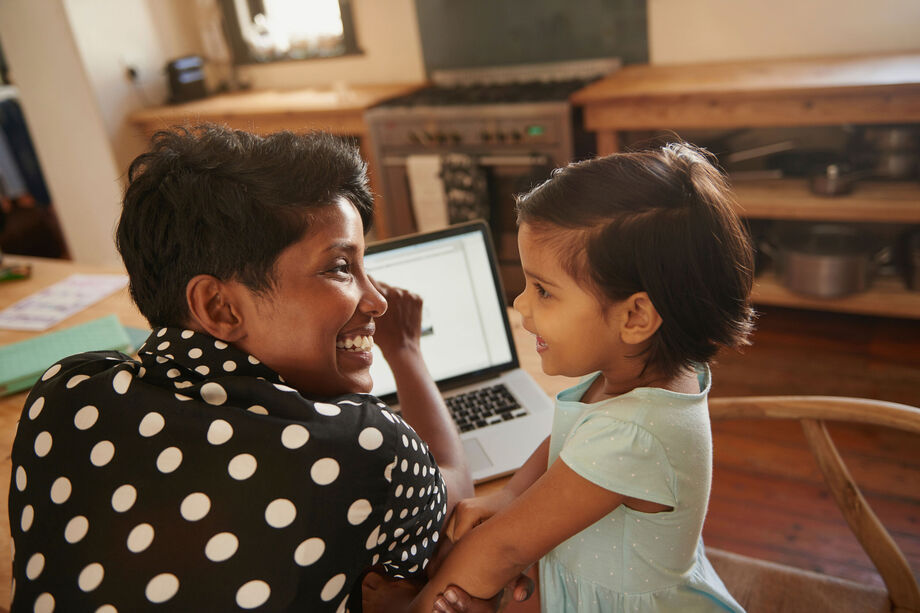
[322, 298]
[576, 334]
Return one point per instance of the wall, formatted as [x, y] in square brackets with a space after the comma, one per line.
[685, 32]
[387, 31]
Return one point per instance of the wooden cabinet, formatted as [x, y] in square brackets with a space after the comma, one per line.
[882, 89]
[337, 111]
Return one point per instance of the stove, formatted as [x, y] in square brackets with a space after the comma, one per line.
[462, 146]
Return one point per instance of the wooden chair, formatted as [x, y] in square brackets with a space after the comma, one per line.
[774, 588]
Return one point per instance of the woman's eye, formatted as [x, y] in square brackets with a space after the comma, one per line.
[341, 268]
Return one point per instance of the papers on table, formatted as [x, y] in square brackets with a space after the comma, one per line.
[57, 302]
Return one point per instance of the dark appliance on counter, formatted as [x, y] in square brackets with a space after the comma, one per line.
[186, 79]
[484, 134]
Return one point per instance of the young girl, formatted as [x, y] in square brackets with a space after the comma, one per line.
[638, 270]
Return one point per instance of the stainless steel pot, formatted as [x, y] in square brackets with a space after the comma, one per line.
[827, 260]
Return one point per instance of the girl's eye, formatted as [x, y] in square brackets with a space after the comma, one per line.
[542, 293]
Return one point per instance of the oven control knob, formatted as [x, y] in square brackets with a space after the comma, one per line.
[516, 136]
[455, 137]
[500, 136]
[414, 138]
[441, 138]
[486, 136]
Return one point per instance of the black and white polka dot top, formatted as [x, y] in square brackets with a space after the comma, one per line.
[196, 480]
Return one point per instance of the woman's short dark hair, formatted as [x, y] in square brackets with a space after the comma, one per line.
[664, 222]
[210, 200]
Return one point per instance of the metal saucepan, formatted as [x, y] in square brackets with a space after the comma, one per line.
[826, 260]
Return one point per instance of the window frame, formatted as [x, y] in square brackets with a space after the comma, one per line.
[242, 55]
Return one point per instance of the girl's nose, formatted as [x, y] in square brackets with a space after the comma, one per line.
[519, 304]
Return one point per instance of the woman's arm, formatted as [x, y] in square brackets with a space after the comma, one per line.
[398, 333]
[500, 548]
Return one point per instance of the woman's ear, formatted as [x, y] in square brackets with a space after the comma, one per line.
[214, 307]
[640, 319]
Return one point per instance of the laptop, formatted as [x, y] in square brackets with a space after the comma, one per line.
[500, 410]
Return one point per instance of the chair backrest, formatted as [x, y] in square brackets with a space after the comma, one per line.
[812, 412]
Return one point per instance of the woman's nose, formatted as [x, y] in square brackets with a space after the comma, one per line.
[372, 302]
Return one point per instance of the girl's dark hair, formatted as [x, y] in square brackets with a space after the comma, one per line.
[210, 200]
[663, 222]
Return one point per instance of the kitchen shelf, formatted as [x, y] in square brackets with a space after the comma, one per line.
[870, 201]
[887, 297]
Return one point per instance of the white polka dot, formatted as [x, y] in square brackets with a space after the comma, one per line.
[106, 608]
[252, 594]
[294, 436]
[195, 506]
[399, 490]
[21, 478]
[283, 388]
[51, 372]
[162, 587]
[102, 453]
[229, 365]
[140, 538]
[324, 471]
[44, 603]
[202, 370]
[324, 408]
[60, 490]
[43, 444]
[161, 332]
[152, 423]
[35, 566]
[160, 359]
[169, 459]
[187, 334]
[76, 380]
[333, 587]
[122, 381]
[212, 393]
[404, 465]
[90, 577]
[28, 514]
[76, 529]
[359, 511]
[194, 353]
[182, 397]
[219, 432]
[172, 373]
[258, 410]
[309, 551]
[163, 345]
[86, 417]
[280, 513]
[124, 498]
[242, 466]
[370, 439]
[374, 539]
[220, 344]
[221, 546]
[36, 408]
[253, 360]
[183, 384]
[405, 440]
[341, 607]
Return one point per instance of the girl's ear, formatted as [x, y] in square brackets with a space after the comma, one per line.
[214, 307]
[640, 319]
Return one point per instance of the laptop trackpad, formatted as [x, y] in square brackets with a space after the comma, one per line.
[475, 455]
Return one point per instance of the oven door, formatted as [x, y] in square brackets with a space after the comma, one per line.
[505, 175]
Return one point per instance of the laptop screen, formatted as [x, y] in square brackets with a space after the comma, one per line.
[465, 330]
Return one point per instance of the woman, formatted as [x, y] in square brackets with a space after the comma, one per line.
[239, 462]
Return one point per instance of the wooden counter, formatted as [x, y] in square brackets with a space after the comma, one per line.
[338, 112]
[878, 89]
[44, 273]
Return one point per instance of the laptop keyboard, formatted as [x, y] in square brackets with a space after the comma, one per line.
[484, 407]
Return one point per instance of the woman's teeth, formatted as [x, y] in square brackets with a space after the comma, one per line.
[358, 343]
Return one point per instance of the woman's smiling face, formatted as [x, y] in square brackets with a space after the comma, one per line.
[314, 327]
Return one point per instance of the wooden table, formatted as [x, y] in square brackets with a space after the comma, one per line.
[45, 272]
[339, 111]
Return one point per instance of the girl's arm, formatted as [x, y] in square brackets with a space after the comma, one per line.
[499, 549]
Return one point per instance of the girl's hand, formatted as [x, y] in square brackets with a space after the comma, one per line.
[401, 326]
[471, 512]
[455, 600]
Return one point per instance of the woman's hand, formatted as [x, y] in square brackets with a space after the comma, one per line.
[455, 600]
[471, 512]
[401, 326]
[382, 594]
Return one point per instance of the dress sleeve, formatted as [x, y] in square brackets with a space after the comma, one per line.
[416, 505]
[621, 456]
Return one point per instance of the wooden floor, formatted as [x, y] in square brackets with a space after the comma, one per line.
[768, 500]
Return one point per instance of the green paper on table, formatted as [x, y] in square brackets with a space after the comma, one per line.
[22, 363]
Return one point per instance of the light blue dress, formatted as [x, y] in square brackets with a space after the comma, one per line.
[651, 444]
